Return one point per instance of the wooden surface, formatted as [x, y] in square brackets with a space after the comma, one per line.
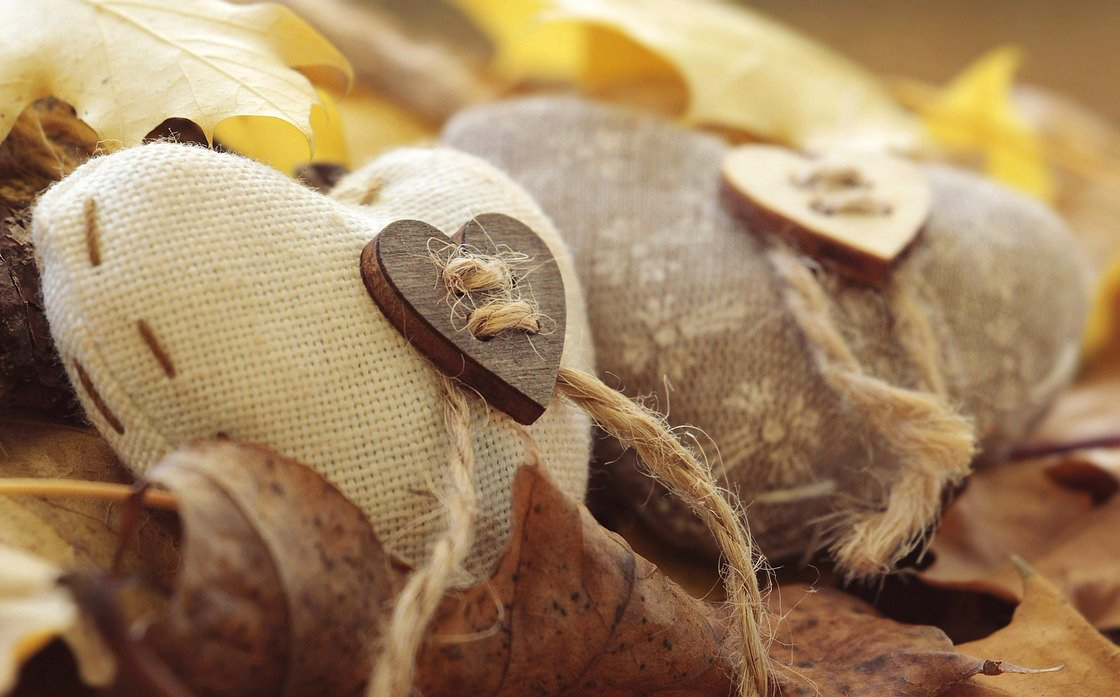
[514, 371]
[857, 213]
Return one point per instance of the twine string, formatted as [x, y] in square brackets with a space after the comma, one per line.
[465, 272]
[667, 460]
[418, 601]
[935, 442]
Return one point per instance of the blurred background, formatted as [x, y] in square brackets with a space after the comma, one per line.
[1072, 46]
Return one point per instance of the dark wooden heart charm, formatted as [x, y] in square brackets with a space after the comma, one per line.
[514, 370]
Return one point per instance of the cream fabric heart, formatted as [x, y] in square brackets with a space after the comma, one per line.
[193, 293]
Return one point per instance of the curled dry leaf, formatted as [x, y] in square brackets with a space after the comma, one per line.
[1086, 411]
[126, 65]
[571, 609]
[1045, 631]
[43, 536]
[34, 609]
[831, 644]
[282, 583]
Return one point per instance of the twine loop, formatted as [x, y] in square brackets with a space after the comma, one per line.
[486, 288]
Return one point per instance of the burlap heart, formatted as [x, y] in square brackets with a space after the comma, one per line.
[192, 293]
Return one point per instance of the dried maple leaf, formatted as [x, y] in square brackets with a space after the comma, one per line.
[1019, 509]
[126, 65]
[35, 609]
[1046, 631]
[282, 583]
[745, 71]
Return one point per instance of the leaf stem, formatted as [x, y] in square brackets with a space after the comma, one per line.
[82, 489]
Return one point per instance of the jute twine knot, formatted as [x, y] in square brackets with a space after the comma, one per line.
[663, 455]
[934, 442]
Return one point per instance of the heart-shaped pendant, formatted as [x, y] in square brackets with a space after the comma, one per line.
[515, 368]
[860, 211]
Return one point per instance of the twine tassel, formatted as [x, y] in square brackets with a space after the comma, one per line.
[935, 442]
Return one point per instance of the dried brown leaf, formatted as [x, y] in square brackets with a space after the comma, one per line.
[833, 644]
[571, 609]
[282, 583]
[1046, 631]
[46, 144]
[78, 534]
[1059, 513]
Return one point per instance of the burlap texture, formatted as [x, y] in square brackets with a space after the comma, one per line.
[685, 307]
[250, 284]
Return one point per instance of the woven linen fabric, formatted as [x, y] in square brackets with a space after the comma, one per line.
[685, 307]
[249, 283]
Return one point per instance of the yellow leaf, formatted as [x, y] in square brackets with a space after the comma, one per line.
[34, 609]
[1102, 333]
[126, 65]
[281, 145]
[525, 47]
[371, 125]
[976, 112]
[747, 72]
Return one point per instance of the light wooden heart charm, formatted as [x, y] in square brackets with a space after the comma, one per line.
[860, 211]
[513, 368]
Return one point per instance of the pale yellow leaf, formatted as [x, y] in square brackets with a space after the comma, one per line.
[126, 65]
[34, 610]
[525, 47]
[745, 71]
[281, 145]
[371, 125]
